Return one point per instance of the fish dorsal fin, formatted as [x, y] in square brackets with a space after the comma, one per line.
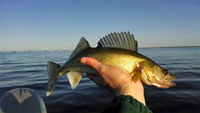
[121, 40]
[83, 44]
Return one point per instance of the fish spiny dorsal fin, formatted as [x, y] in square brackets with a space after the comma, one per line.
[121, 40]
[83, 44]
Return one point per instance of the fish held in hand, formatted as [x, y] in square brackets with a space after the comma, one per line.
[115, 49]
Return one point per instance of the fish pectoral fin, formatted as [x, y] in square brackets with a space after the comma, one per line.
[136, 76]
[137, 72]
[74, 78]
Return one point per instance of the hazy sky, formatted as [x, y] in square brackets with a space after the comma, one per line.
[59, 24]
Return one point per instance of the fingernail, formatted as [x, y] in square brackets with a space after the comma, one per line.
[83, 60]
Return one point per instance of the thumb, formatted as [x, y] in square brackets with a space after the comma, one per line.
[92, 63]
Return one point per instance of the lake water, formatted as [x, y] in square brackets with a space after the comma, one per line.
[29, 69]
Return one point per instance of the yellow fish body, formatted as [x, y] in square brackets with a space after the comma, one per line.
[118, 49]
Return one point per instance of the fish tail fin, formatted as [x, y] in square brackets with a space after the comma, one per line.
[53, 76]
[74, 78]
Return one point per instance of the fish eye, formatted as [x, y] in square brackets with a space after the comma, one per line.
[166, 72]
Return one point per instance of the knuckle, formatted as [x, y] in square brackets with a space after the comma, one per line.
[101, 69]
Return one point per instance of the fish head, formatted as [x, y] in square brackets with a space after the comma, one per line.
[157, 76]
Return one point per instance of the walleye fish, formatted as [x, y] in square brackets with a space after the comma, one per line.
[115, 49]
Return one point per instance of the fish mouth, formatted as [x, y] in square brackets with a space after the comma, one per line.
[168, 82]
[172, 84]
[165, 85]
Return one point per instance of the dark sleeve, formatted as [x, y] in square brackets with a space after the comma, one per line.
[126, 104]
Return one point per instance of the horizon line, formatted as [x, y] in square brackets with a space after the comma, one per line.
[73, 49]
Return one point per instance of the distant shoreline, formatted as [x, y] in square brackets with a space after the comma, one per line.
[139, 48]
[169, 47]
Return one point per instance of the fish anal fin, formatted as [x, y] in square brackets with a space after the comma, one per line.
[74, 78]
[136, 73]
[83, 44]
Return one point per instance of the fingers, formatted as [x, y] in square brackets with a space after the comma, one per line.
[96, 79]
[93, 63]
[91, 76]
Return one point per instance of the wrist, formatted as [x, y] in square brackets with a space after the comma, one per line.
[134, 90]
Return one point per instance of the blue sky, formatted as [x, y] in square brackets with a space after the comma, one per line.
[59, 24]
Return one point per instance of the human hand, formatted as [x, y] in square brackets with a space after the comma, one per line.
[112, 78]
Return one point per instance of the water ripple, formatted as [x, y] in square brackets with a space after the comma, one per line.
[29, 69]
